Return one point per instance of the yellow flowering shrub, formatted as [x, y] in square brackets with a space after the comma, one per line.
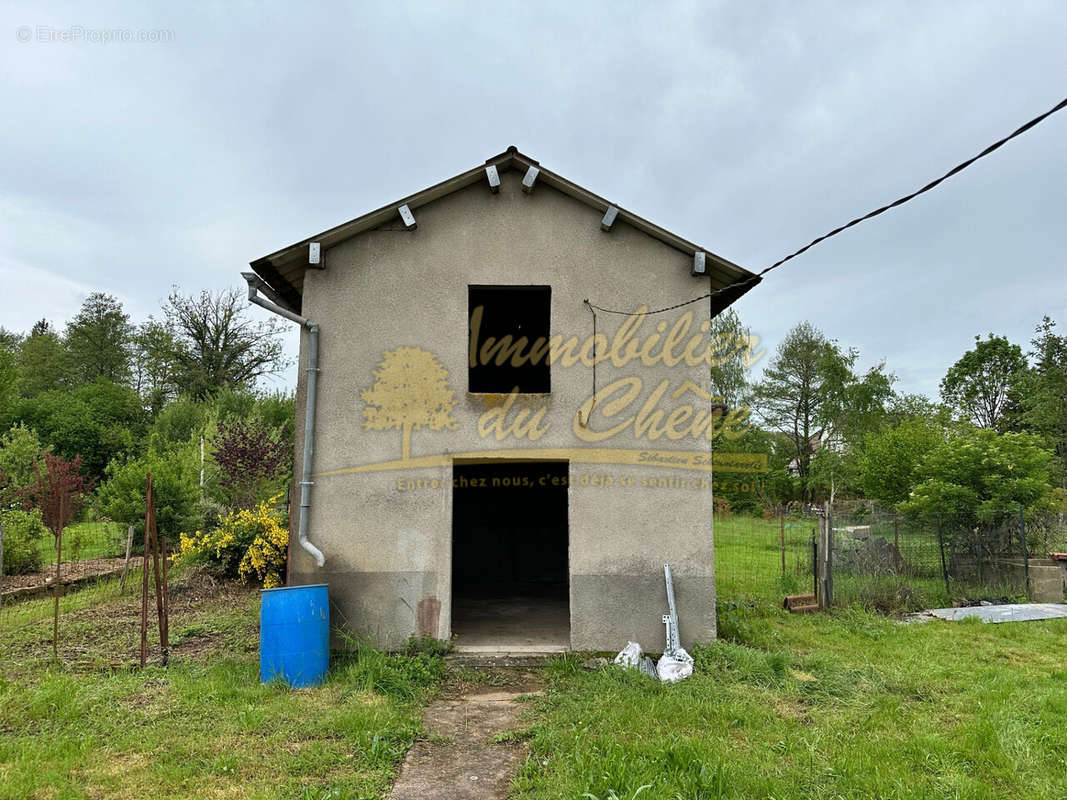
[250, 542]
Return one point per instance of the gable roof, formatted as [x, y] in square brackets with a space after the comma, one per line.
[284, 269]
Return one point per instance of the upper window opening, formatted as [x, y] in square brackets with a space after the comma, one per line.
[507, 339]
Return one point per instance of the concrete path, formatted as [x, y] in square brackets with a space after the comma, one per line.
[1012, 612]
[459, 759]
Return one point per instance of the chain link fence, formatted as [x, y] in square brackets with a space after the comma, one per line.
[890, 562]
[764, 559]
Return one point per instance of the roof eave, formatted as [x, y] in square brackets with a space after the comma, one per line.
[268, 267]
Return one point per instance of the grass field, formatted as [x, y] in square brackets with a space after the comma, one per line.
[850, 705]
[85, 540]
[93, 727]
[843, 705]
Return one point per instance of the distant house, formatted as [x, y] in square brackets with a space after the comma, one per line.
[816, 442]
[465, 481]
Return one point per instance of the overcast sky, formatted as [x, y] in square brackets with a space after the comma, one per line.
[750, 128]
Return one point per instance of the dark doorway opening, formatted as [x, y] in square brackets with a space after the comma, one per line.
[509, 555]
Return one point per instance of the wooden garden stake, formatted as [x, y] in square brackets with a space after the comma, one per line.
[59, 562]
[152, 542]
[166, 604]
[1, 568]
[126, 565]
[156, 574]
[144, 573]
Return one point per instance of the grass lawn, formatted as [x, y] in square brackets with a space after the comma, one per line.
[842, 705]
[84, 540]
[203, 726]
[849, 705]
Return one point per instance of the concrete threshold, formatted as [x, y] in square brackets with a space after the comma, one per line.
[494, 657]
[505, 649]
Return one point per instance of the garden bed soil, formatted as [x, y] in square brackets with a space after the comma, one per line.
[18, 585]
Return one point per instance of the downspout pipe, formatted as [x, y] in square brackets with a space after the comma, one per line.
[255, 285]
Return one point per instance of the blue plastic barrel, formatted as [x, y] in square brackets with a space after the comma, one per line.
[294, 634]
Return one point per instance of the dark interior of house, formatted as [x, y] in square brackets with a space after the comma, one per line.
[509, 548]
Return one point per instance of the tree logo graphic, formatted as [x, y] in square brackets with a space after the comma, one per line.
[410, 390]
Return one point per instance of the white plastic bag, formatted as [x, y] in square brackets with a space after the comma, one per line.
[674, 667]
[629, 656]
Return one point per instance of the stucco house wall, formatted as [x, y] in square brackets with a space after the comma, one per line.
[388, 551]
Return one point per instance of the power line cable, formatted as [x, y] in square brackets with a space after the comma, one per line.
[898, 202]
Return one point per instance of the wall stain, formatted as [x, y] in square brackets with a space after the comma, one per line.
[428, 616]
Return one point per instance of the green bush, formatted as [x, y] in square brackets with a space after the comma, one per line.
[23, 531]
[175, 487]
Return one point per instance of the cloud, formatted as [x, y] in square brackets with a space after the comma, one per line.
[750, 128]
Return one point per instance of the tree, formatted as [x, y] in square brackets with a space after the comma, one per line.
[729, 379]
[20, 449]
[42, 363]
[410, 390]
[96, 421]
[154, 365]
[251, 459]
[978, 385]
[9, 340]
[216, 345]
[98, 340]
[978, 476]
[8, 384]
[810, 393]
[175, 491]
[889, 461]
[1042, 391]
[58, 492]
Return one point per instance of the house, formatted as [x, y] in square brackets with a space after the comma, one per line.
[482, 465]
[816, 442]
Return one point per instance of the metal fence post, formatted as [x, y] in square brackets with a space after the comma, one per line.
[1026, 551]
[825, 560]
[941, 547]
[815, 564]
[782, 537]
[829, 556]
